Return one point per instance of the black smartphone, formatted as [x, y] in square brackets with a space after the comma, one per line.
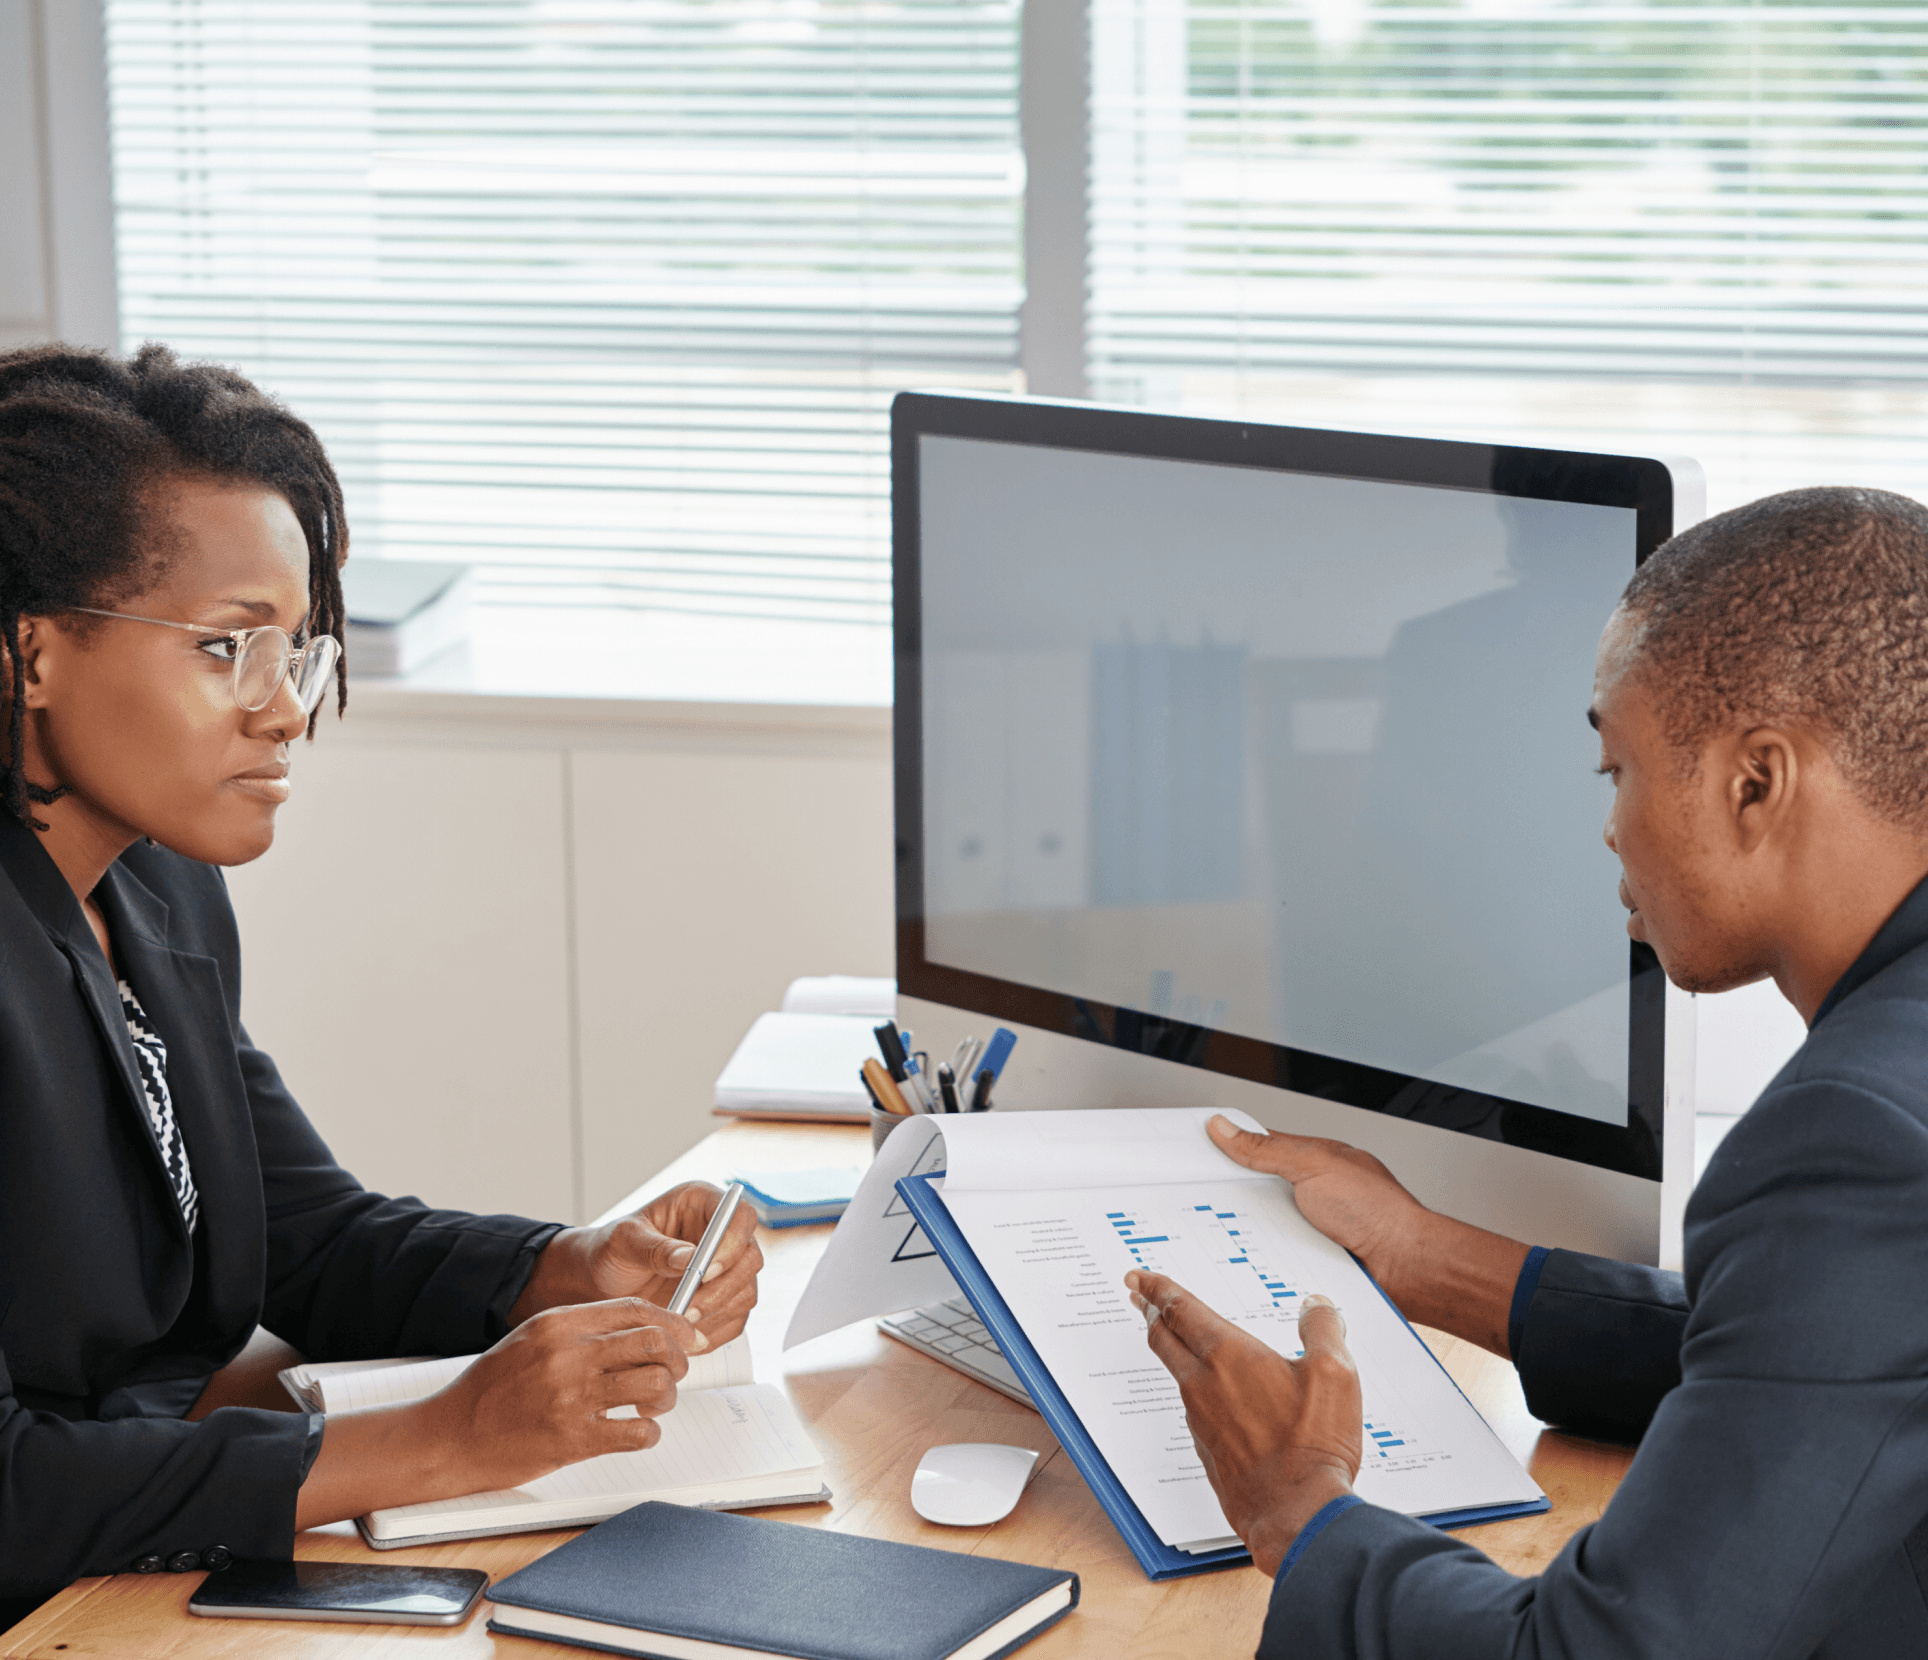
[383, 1593]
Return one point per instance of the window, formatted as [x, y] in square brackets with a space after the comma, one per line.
[609, 296]
[1695, 228]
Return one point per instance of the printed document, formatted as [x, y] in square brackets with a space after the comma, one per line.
[1060, 1206]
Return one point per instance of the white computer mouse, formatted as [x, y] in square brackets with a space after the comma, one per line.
[970, 1483]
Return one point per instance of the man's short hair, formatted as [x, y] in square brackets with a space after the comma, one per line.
[1807, 607]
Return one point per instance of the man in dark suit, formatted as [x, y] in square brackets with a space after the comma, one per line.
[1761, 696]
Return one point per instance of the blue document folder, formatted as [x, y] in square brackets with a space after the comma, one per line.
[1159, 1560]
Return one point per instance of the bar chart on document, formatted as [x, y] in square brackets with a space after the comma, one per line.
[1235, 1261]
[1055, 1234]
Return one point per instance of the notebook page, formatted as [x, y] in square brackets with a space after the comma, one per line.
[1059, 1260]
[717, 1436]
[713, 1439]
[345, 1385]
[357, 1385]
[305, 1380]
[731, 1366]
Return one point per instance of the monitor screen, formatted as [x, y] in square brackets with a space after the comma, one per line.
[1282, 769]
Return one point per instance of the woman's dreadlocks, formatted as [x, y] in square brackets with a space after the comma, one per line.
[83, 438]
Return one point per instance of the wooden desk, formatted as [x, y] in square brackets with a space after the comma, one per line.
[873, 1406]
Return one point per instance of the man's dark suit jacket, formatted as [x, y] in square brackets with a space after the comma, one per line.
[111, 1317]
[1776, 1505]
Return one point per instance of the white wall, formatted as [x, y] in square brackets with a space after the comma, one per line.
[503, 946]
[56, 191]
[1746, 1037]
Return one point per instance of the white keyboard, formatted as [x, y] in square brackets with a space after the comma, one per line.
[951, 1332]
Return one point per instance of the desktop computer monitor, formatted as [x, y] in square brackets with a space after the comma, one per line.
[1247, 766]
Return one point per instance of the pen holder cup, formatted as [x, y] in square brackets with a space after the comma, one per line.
[881, 1124]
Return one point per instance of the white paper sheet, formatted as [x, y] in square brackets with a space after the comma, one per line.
[872, 998]
[1013, 1151]
[878, 1261]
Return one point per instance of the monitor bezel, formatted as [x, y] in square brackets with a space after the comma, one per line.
[1644, 484]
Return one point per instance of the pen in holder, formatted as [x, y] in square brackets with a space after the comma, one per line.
[888, 1107]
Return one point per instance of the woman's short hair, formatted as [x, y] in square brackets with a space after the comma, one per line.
[84, 436]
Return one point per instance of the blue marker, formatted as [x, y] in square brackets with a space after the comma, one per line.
[996, 1053]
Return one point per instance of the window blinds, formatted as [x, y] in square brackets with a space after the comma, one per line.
[1698, 227]
[608, 295]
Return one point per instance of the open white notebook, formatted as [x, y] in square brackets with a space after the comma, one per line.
[729, 1444]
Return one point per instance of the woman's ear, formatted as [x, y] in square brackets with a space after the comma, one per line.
[39, 651]
[36, 636]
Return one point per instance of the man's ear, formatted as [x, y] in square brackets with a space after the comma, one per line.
[1763, 771]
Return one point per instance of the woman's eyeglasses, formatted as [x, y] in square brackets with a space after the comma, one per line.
[263, 658]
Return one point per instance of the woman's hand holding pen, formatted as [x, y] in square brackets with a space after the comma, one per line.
[643, 1256]
[538, 1400]
[541, 1397]
[591, 1334]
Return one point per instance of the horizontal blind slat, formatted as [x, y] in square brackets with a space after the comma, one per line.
[1696, 225]
[612, 303]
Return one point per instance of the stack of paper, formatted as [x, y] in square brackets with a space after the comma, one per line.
[403, 612]
[800, 1066]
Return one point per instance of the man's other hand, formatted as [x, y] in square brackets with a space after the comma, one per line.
[1437, 1271]
[1349, 1196]
[1279, 1439]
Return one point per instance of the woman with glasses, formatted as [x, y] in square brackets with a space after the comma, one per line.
[170, 621]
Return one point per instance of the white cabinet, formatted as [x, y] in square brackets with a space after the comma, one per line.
[503, 946]
[706, 882]
[405, 961]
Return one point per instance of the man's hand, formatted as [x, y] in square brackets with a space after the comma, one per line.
[1349, 1196]
[644, 1255]
[1437, 1271]
[1279, 1439]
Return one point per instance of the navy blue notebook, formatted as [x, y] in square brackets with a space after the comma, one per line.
[716, 1584]
[1159, 1560]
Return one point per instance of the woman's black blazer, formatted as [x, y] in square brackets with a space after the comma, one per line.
[110, 1314]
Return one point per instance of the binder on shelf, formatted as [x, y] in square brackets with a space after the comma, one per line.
[403, 613]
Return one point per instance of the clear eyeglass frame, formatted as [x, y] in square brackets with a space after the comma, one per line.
[265, 659]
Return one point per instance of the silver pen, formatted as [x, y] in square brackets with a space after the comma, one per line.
[706, 1248]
